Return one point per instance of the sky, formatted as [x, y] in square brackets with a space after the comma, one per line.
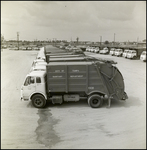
[66, 20]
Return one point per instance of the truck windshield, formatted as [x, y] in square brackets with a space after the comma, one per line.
[29, 80]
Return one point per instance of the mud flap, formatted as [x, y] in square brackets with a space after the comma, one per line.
[125, 96]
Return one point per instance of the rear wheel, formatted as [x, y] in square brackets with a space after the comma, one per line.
[38, 101]
[95, 101]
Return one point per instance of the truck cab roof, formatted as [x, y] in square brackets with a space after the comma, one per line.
[37, 73]
[62, 56]
[68, 63]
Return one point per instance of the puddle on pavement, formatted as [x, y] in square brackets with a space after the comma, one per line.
[45, 131]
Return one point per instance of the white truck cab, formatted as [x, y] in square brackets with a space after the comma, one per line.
[41, 54]
[34, 84]
[37, 61]
[39, 67]
[143, 56]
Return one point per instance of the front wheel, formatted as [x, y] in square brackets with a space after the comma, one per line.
[95, 101]
[38, 101]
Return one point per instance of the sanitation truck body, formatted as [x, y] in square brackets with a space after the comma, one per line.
[74, 81]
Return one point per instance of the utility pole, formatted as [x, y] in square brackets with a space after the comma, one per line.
[137, 41]
[114, 38]
[18, 39]
[100, 40]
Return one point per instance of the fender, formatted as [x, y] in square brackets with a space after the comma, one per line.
[97, 92]
[37, 92]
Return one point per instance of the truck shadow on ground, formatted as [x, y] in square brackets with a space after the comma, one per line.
[131, 101]
[81, 103]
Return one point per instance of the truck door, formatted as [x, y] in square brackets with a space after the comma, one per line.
[29, 87]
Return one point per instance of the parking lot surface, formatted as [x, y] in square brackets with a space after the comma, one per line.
[71, 125]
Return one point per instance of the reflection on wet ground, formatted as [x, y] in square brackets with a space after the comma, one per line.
[45, 131]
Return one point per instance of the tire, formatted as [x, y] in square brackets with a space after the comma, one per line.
[95, 101]
[38, 101]
[134, 57]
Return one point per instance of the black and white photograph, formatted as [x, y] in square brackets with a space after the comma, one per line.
[73, 74]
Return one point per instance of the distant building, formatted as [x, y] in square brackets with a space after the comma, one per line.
[142, 44]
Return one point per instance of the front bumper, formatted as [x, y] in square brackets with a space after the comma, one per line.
[24, 99]
[143, 58]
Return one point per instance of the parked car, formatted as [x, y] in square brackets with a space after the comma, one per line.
[96, 50]
[131, 54]
[134, 54]
[23, 48]
[29, 48]
[112, 51]
[118, 52]
[77, 51]
[143, 56]
[104, 51]
[87, 49]
[92, 49]
[125, 53]
[36, 48]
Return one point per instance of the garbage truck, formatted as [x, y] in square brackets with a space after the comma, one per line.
[93, 80]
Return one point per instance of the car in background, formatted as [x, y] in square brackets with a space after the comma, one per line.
[4, 46]
[92, 49]
[132, 54]
[71, 48]
[87, 48]
[23, 48]
[15, 48]
[125, 53]
[29, 48]
[143, 56]
[96, 50]
[105, 50]
[77, 51]
[112, 51]
[118, 52]
[36, 48]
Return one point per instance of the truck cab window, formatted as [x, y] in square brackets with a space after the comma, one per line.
[32, 80]
[27, 81]
[38, 80]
